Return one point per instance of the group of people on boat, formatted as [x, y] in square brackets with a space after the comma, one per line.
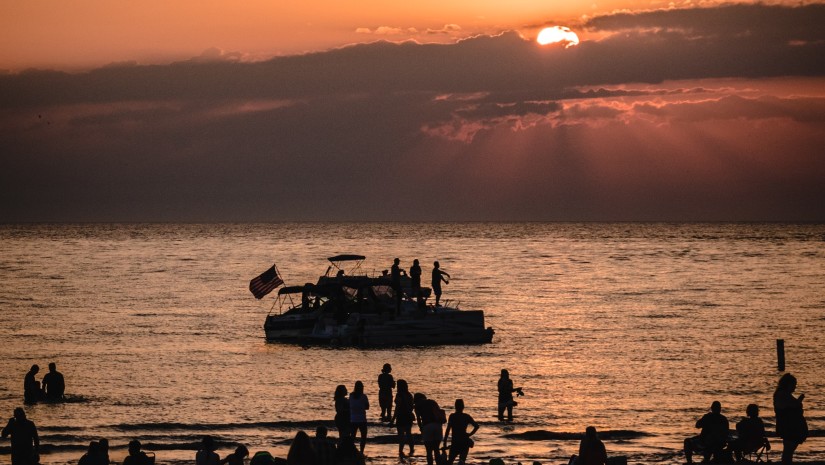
[51, 389]
[438, 276]
[714, 441]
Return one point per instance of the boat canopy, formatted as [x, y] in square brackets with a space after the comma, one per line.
[291, 290]
[346, 258]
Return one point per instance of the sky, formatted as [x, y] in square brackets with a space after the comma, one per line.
[212, 110]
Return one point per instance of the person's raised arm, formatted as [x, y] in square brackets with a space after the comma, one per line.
[7, 428]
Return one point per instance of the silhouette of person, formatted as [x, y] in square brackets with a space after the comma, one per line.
[457, 424]
[103, 451]
[324, 447]
[53, 383]
[790, 418]
[437, 278]
[31, 387]
[206, 455]
[347, 454]
[750, 433]
[426, 414]
[237, 457]
[136, 456]
[713, 437]
[403, 417]
[342, 413]
[395, 283]
[591, 449]
[25, 443]
[92, 455]
[386, 384]
[505, 396]
[415, 282]
[358, 406]
[301, 451]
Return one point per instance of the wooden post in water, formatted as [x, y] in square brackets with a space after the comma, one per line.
[780, 354]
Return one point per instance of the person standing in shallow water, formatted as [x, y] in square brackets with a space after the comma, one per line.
[358, 406]
[403, 417]
[457, 424]
[437, 278]
[386, 384]
[53, 384]
[790, 419]
[342, 415]
[25, 443]
[505, 396]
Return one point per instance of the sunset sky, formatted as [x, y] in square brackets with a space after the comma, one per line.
[256, 110]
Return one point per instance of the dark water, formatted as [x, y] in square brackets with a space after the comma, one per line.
[632, 328]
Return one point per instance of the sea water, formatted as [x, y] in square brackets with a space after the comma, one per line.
[632, 328]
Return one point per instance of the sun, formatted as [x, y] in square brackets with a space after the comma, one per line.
[557, 34]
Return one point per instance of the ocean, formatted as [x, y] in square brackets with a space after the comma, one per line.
[633, 328]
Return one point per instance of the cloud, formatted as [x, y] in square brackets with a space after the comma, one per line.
[674, 115]
[387, 31]
[447, 29]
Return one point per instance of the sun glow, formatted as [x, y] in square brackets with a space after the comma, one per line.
[557, 34]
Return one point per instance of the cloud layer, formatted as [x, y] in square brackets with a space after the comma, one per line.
[700, 114]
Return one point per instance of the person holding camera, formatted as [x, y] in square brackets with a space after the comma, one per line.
[505, 396]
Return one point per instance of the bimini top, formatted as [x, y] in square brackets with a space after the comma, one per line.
[293, 289]
[346, 258]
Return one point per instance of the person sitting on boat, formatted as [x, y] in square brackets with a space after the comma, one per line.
[395, 283]
[437, 278]
[750, 434]
[53, 384]
[713, 437]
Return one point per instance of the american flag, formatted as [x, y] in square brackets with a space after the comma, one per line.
[265, 283]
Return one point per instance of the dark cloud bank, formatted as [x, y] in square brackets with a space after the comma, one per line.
[490, 128]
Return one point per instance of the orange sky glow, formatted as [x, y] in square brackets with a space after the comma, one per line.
[87, 33]
[205, 110]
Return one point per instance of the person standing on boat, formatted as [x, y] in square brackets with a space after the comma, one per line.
[505, 396]
[395, 282]
[386, 383]
[438, 277]
[358, 406]
[790, 419]
[53, 383]
[415, 282]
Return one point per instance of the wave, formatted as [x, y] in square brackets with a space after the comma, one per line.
[544, 435]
